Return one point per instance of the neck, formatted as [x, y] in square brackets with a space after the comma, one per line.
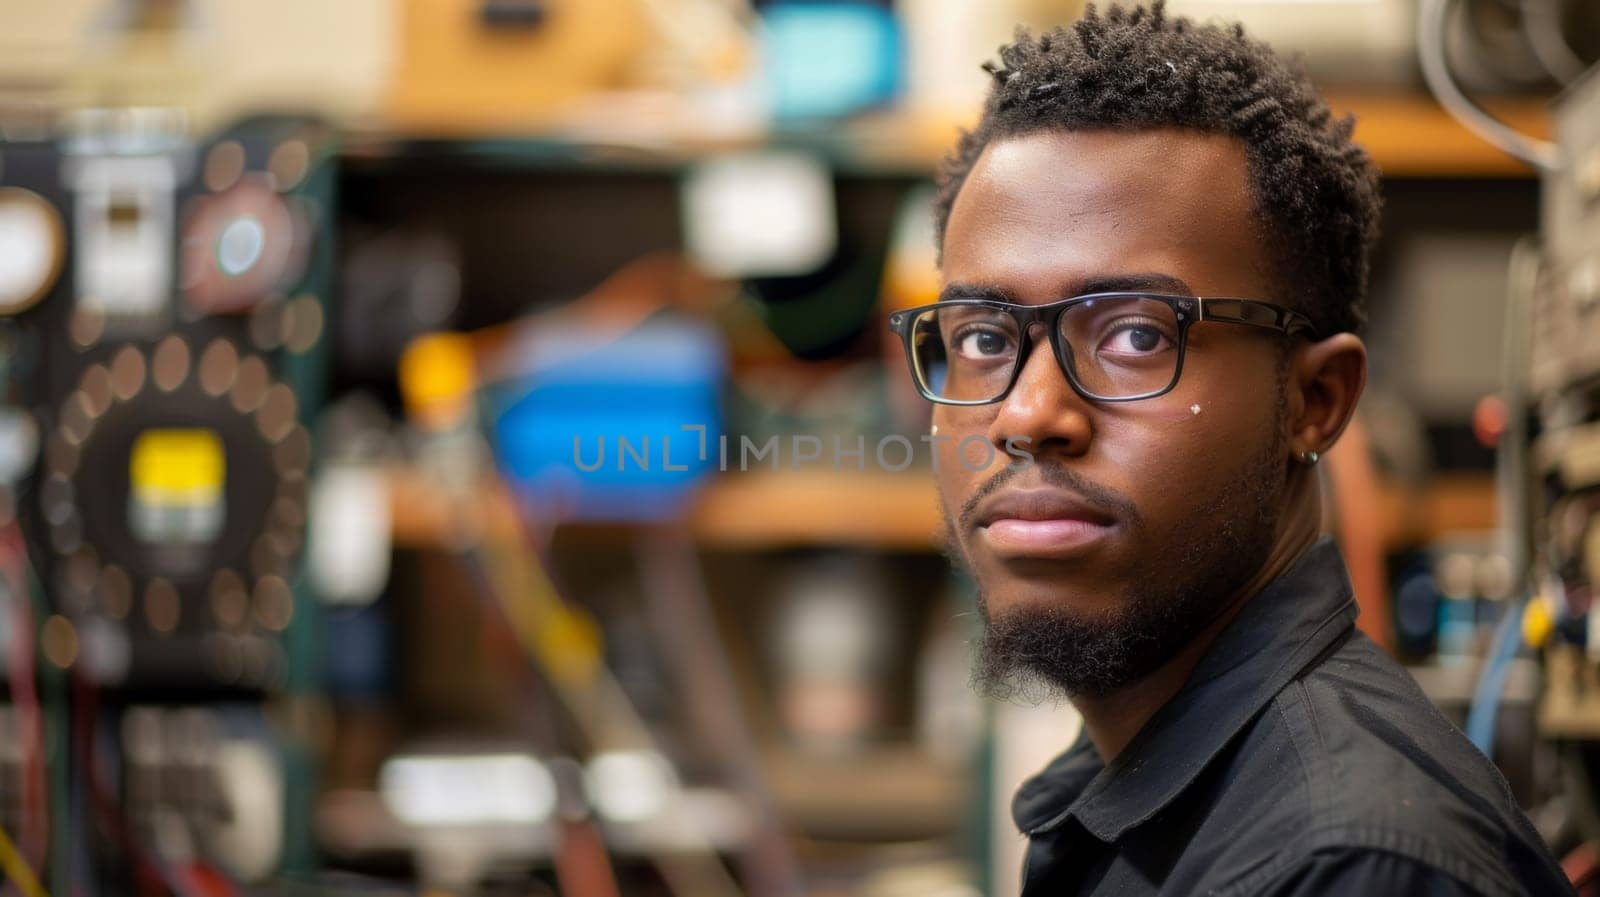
[1113, 719]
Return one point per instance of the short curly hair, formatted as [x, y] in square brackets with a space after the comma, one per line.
[1315, 190]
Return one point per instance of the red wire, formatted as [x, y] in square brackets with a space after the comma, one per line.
[148, 873]
[1581, 865]
[35, 828]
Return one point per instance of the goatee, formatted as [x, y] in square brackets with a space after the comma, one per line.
[1038, 653]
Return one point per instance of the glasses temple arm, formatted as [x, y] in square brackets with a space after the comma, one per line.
[1256, 314]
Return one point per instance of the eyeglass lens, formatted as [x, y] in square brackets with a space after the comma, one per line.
[1116, 347]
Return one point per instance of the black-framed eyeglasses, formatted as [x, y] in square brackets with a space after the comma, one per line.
[1113, 347]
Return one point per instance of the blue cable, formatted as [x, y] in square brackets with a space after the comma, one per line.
[1492, 679]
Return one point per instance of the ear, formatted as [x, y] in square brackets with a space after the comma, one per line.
[1325, 381]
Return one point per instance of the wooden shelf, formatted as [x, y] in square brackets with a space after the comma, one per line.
[882, 511]
[1407, 133]
[775, 509]
[883, 793]
[423, 516]
[1450, 503]
[1412, 136]
[753, 510]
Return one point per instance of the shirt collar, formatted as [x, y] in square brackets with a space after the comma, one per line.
[1277, 634]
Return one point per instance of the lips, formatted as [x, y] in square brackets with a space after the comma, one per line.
[1048, 523]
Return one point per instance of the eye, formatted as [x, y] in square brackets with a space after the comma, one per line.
[982, 343]
[1135, 338]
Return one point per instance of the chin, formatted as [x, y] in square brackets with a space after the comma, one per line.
[1012, 588]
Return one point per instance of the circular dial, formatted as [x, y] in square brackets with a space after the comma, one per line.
[177, 476]
[32, 245]
[239, 246]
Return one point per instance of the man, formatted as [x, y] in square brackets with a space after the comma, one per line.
[1129, 473]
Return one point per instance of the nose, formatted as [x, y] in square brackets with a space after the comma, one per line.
[1042, 414]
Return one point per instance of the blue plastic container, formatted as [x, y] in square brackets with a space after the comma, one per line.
[602, 428]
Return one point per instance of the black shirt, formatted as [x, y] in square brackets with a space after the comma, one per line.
[1298, 759]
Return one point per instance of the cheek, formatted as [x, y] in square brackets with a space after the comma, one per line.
[1176, 414]
[1221, 407]
[973, 453]
[1175, 462]
[958, 445]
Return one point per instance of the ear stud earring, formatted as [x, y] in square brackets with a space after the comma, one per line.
[1309, 456]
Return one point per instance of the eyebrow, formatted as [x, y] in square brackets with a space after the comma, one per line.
[1153, 282]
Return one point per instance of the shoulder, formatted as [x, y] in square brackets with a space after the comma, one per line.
[1357, 870]
[1385, 776]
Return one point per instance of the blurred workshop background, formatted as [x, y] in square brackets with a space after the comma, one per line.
[453, 447]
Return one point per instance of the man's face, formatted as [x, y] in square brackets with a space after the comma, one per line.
[1135, 521]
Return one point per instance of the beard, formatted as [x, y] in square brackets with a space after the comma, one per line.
[1038, 653]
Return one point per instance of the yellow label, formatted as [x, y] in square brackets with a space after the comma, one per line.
[178, 466]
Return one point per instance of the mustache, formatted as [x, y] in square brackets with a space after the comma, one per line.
[1059, 476]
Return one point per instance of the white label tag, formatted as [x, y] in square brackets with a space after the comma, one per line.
[348, 552]
[763, 214]
[124, 228]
